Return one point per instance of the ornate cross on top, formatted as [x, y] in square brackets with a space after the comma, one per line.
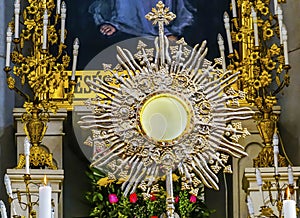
[161, 15]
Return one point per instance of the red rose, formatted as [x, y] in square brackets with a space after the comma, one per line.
[176, 199]
[133, 198]
[154, 217]
[152, 197]
[112, 198]
[193, 199]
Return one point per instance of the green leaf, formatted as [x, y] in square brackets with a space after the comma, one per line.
[100, 196]
[101, 208]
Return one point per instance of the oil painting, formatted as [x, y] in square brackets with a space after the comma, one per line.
[102, 23]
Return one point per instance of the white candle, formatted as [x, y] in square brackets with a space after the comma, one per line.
[250, 206]
[259, 183]
[233, 5]
[52, 213]
[75, 55]
[255, 28]
[8, 46]
[63, 21]
[58, 6]
[17, 18]
[289, 209]
[7, 183]
[280, 19]
[285, 46]
[3, 210]
[227, 28]
[275, 6]
[275, 139]
[258, 177]
[45, 26]
[222, 49]
[276, 152]
[27, 154]
[45, 201]
[290, 175]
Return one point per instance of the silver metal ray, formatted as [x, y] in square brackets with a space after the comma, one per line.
[169, 72]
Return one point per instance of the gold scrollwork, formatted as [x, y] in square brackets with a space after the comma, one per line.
[261, 61]
[267, 126]
[35, 128]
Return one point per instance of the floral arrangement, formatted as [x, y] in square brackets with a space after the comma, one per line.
[107, 200]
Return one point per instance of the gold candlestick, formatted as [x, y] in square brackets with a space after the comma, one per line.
[39, 75]
[260, 59]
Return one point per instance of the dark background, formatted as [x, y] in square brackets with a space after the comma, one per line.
[208, 22]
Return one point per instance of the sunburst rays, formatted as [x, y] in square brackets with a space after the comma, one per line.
[124, 150]
[199, 85]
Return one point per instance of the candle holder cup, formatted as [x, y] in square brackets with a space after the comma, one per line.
[26, 200]
[278, 200]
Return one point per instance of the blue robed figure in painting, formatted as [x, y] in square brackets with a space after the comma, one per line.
[96, 21]
[128, 16]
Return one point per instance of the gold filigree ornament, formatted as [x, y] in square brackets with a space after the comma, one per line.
[169, 113]
[266, 212]
[39, 70]
[11, 82]
[262, 58]
[35, 128]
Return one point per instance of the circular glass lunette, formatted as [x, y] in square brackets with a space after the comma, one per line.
[164, 117]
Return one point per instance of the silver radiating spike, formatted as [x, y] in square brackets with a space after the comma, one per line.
[107, 160]
[203, 179]
[191, 56]
[196, 69]
[157, 50]
[136, 161]
[133, 60]
[109, 152]
[204, 172]
[168, 58]
[137, 181]
[124, 57]
[207, 168]
[132, 178]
